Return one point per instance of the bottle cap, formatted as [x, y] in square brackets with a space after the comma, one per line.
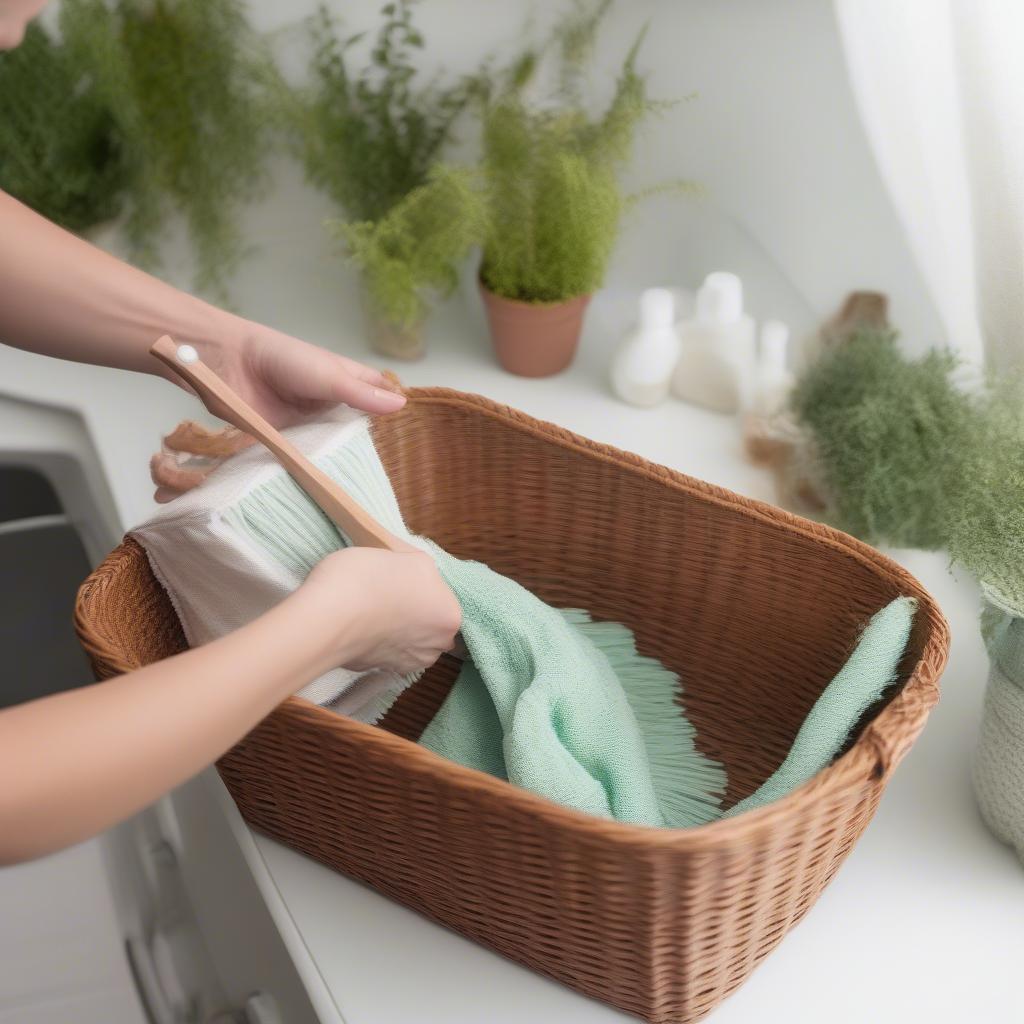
[720, 298]
[657, 309]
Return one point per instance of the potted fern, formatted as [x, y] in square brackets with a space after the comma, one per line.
[370, 139]
[907, 455]
[550, 177]
[888, 438]
[182, 80]
[412, 253]
[60, 151]
[986, 536]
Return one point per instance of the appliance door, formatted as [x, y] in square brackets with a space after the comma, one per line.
[201, 945]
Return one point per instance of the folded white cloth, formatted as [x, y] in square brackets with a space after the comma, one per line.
[218, 579]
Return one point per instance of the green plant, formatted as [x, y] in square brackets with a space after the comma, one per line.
[986, 520]
[416, 247]
[550, 173]
[912, 459]
[368, 138]
[893, 436]
[60, 152]
[182, 80]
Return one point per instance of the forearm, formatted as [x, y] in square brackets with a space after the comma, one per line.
[61, 296]
[74, 764]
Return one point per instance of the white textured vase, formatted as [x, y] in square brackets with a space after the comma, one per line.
[999, 759]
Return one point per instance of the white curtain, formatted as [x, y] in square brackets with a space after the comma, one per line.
[940, 88]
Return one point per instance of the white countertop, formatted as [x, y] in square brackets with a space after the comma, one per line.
[925, 921]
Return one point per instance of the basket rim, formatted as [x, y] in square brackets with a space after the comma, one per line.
[868, 763]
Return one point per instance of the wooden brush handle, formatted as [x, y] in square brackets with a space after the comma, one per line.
[361, 528]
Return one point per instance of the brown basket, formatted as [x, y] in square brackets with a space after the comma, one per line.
[754, 608]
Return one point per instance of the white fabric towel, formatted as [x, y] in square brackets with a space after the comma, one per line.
[218, 580]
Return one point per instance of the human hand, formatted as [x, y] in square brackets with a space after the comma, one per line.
[284, 379]
[288, 380]
[381, 609]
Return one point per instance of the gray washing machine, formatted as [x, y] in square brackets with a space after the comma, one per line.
[199, 940]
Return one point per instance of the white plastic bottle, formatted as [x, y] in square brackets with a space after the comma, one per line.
[774, 381]
[770, 431]
[643, 365]
[718, 348]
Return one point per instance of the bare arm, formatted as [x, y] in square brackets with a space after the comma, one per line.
[62, 297]
[76, 763]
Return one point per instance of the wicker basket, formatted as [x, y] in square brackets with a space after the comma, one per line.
[756, 609]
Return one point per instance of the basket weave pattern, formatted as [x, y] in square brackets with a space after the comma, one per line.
[754, 608]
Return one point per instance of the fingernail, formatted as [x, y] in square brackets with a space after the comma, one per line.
[391, 397]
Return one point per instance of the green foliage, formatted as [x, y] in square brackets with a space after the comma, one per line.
[550, 172]
[368, 138]
[913, 460]
[893, 436]
[417, 246]
[986, 522]
[182, 79]
[59, 149]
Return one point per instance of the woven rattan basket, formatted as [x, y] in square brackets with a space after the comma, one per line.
[754, 608]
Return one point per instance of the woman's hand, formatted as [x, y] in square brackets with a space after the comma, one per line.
[288, 380]
[115, 747]
[381, 609]
[284, 379]
[61, 297]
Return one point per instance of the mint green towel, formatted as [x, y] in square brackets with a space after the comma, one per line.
[553, 701]
[871, 668]
[590, 723]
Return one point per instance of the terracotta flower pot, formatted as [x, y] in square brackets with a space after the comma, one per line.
[534, 339]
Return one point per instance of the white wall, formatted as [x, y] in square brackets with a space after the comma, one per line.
[793, 200]
[794, 203]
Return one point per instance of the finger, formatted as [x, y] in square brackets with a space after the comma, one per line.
[361, 371]
[361, 394]
[166, 472]
[306, 377]
[194, 439]
[378, 378]
[361, 386]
